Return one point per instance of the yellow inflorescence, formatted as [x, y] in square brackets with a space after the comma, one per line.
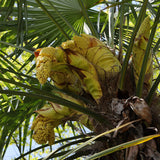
[95, 52]
[43, 130]
[77, 65]
[139, 48]
[51, 115]
[44, 63]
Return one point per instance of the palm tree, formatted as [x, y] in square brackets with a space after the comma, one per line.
[129, 99]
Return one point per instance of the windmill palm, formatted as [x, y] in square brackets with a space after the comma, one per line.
[27, 25]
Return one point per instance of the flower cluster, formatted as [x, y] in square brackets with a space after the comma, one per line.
[43, 130]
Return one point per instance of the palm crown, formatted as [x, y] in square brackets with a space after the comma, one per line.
[27, 25]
